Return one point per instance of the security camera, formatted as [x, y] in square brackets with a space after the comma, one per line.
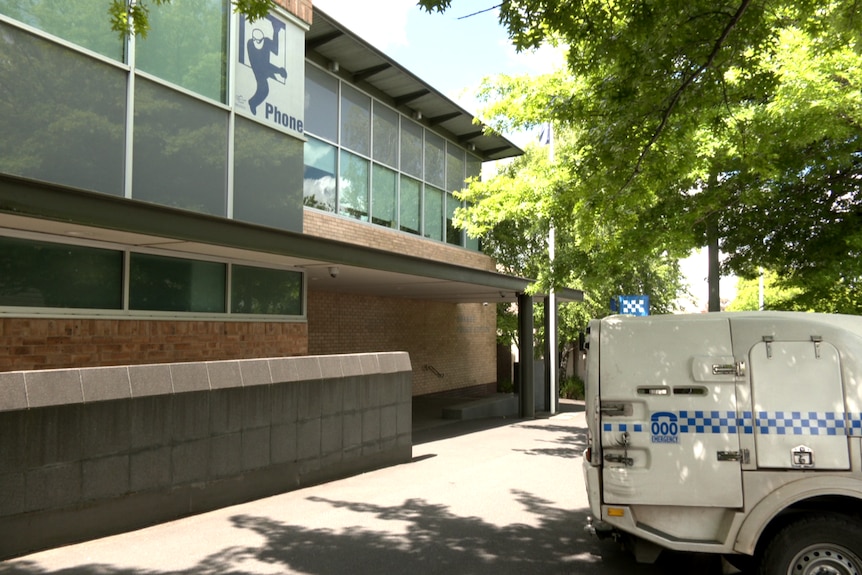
[333, 272]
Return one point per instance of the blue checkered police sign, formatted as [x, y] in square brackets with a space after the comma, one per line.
[634, 305]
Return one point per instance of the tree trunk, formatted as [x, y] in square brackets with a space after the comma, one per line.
[712, 250]
[712, 232]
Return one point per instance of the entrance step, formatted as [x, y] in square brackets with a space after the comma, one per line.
[499, 405]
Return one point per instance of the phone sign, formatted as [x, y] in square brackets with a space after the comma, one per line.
[664, 427]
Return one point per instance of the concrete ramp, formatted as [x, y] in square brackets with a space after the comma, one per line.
[498, 405]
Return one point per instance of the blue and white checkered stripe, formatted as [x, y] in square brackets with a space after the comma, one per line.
[623, 427]
[768, 423]
[714, 422]
[800, 423]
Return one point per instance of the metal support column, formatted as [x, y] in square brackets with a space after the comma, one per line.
[552, 359]
[526, 399]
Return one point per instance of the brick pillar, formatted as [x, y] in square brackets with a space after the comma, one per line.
[300, 8]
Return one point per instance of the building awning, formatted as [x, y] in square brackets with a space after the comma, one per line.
[333, 46]
[70, 213]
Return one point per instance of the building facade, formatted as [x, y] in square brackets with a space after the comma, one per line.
[225, 189]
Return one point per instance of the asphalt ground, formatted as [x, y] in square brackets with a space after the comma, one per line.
[490, 496]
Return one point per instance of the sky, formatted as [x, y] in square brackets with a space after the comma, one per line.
[453, 52]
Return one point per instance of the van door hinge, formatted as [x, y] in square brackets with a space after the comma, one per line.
[817, 341]
[768, 339]
[742, 456]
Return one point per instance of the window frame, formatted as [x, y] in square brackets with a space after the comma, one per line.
[126, 313]
[404, 122]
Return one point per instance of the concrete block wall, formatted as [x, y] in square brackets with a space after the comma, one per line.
[94, 451]
[459, 341]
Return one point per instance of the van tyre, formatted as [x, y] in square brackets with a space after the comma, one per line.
[823, 544]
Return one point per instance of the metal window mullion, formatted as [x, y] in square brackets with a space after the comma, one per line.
[130, 118]
[228, 278]
[398, 172]
[233, 28]
[422, 203]
[127, 275]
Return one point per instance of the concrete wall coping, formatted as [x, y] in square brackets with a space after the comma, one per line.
[33, 389]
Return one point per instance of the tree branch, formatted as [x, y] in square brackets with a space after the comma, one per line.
[480, 12]
[675, 97]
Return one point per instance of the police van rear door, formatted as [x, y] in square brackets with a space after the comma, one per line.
[668, 416]
[798, 405]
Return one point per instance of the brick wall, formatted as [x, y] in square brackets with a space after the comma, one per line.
[28, 343]
[316, 223]
[299, 8]
[457, 340]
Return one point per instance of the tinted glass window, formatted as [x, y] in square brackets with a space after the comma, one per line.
[265, 291]
[435, 158]
[187, 45]
[433, 213]
[471, 243]
[319, 183]
[474, 166]
[321, 103]
[355, 120]
[62, 114]
[384, 196]
[411, 148]
[410, 205]
[385, 135]
[353, 187]
[454, 168]
[180, 150]
[82, 22]
[474, 170]
[453, 234]
[160, 283]
[43, 274]
[267, 173]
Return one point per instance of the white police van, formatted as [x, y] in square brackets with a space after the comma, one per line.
[730, 433]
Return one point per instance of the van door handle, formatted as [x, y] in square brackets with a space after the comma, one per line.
[612, 458]
[615, 409]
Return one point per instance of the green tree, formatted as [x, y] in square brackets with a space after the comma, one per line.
[702, 122]
[775, 297]
[133, 16]
[512, 214]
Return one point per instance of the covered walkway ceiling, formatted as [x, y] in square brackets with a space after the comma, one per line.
[78, 215]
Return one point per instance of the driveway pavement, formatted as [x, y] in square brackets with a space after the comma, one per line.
[492, 496]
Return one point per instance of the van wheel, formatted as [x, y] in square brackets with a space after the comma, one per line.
[825, 544]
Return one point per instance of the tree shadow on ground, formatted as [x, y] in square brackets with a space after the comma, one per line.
[423, 537]
[569, 442]
[426, 538]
